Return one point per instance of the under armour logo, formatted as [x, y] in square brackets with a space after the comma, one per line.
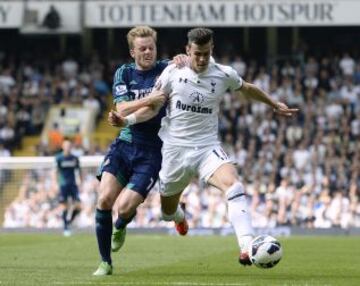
[213, 84]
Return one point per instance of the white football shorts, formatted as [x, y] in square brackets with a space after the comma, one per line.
[180, 164]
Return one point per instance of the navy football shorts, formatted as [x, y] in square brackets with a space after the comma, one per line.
[69, 191]
[136, 167]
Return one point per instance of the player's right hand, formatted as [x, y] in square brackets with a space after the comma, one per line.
[115, 119]
[282, 109]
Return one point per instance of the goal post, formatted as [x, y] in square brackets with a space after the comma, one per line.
[29, 195]
[29, 191]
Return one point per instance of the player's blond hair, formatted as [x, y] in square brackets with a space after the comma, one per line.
[140, 32]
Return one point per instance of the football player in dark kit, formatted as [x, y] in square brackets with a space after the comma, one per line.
[67, 165]
[132, 163]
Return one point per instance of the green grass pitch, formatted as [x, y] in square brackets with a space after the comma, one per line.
[50, 259]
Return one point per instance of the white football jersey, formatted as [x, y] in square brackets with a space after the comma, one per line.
[194, 99]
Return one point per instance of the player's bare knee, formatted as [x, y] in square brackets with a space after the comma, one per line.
[126, 211]
[226, 183]
[236, 190]
[105, 202]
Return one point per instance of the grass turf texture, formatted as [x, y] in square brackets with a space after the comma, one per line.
[50, 259]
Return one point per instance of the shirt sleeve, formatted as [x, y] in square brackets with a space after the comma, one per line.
[120, 89]
[235, 81]
[163, 82]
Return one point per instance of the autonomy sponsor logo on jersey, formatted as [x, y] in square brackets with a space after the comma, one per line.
[197, 99]
[193, 108]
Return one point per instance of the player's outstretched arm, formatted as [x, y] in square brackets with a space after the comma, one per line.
[141, 115]
[155, 101]
[126, 107]
[253, 92]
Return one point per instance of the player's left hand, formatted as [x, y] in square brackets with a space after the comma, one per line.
[115, 119]
[284, 110]
[180, 60]
[157, 98]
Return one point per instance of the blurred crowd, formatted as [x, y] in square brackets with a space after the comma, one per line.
[299, 171]
[28, 89]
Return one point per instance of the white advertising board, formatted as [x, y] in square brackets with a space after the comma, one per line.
[241, 13]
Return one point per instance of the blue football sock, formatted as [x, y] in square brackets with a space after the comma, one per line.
[103, 222]
[74, 214]
[123, 222]
[64, 218]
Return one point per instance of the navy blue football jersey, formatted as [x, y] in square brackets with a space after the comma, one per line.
[66, 166]
[132, 84]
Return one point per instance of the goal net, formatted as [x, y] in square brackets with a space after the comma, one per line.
[29, 195]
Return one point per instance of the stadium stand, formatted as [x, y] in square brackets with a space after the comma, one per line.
[304, 171]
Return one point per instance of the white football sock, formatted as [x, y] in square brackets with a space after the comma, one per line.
[177, 217]
[239, 215]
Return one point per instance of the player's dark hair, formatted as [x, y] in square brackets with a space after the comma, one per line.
[200, 36]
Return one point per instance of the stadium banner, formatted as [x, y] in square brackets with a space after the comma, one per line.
[52, 17]
[30, 15]
[11, 14]
[190, 13]
[41, 17]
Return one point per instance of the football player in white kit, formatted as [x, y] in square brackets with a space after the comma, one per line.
[190, 133]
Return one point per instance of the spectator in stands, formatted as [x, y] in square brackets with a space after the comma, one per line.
[4, 174]
[347, 65]
[70, 68]
[7, 136]
[45, 83]
[93, 104]
[7, 80]
[239, 65]
[55, 138]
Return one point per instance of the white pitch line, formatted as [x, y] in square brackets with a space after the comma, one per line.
[150, 284]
